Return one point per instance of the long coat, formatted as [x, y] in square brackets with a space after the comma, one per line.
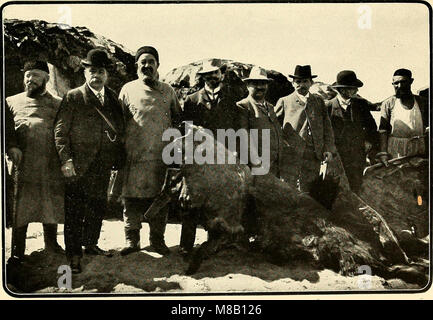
[289, 110]
[254, 117]
[220, 114]
[352, 128]
[40, 182]
[148, 113]
[80, 131]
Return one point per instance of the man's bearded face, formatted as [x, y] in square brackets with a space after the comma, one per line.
[257, 89]
[35, 82]
[96, 77]
[147, 67]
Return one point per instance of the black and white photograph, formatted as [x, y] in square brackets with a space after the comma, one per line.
[154, 149]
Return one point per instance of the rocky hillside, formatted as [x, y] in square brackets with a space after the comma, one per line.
[62, 47]
[186, 81]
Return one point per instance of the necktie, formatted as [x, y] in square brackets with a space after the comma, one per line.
[101, 99]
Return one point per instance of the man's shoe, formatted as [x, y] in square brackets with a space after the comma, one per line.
[160, 248]
[95, 250]
[128, 250]
[55, 248]
[76, 264]
[132, 242]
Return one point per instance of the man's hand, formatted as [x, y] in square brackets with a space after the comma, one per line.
[327, 156]
[15, 155]
[427, 130]
[68, 169]
[384, 160]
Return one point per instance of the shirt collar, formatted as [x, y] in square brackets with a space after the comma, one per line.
[96, 92]
[343, 103]
[303, 98]
[213, 92]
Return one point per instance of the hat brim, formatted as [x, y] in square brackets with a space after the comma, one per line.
[298, 77]
[208, 70]
[357, 84]
[257, 79]
[86, 63]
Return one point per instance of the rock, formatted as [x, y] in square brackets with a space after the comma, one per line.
[63, 48]
[186, 81]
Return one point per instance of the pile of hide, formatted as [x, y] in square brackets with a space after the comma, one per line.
[62, 47]
[293, 227]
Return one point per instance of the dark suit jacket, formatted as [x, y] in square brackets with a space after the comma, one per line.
[288, 109]
[351, 132]
[79, 130]
[222, 114]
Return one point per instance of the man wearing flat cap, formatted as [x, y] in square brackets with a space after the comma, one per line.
[212, 107]
[355, 130]
[40, 185]
[403, 124]
[88, 134]
[304, 114]
[150, 107]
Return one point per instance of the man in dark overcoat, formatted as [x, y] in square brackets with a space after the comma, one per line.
[88, 136]
[355, 130]
[213, 107]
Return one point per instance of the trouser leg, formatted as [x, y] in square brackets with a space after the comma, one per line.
[50, 235]
[93, 221]
[157, 225]
[133, 209]
[19, 241]
[187, 236]
[75, 207]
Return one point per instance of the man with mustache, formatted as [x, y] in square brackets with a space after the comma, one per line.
[40, 185]
[354, 128]
[304, 114]
[212, 107]
[89, 138]
[150, 107]
[404, 121]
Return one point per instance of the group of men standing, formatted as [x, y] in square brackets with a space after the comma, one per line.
[63, 150]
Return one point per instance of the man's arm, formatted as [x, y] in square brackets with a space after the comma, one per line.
[12, 148]
[328, 132]
[176, 110]
[62, 127]
[279, 111]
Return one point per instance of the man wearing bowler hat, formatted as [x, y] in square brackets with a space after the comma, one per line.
[30, 146]
[150, 107]
[304, 114]
[355, 130]
[89, 137]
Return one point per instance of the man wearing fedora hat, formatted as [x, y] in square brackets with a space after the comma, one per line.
[40, 185]
[212, 107]
[89, 137]
[257, 113]
[304, 115]
[150, 107]
[355, 130]
[404, 119]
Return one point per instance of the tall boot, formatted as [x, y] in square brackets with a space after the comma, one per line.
[156, 234]
[132, 241]
[50, 238]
